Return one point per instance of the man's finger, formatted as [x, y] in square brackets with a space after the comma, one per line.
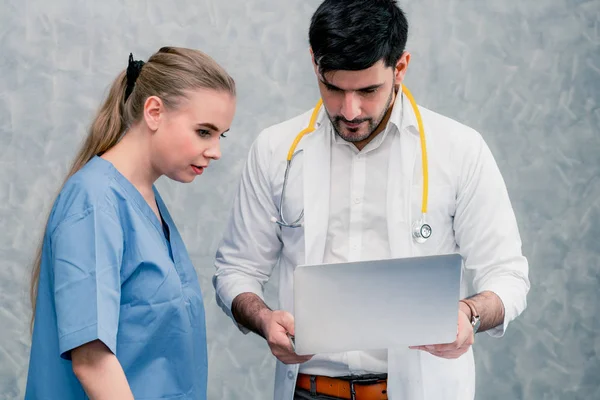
[287, 321]
[294, 359]
[441, 348]
[448, 354]
[434, 347]
[284, 342]
[435, 352]
[284, 350]
[425, 348]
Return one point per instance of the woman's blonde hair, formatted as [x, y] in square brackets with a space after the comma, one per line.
[168, 74]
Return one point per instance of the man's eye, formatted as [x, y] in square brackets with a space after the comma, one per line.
[368, 91]
[223, 135]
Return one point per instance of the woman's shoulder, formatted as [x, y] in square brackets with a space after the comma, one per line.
[91, 188]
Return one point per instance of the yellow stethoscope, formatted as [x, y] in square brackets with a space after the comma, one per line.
[421, 231]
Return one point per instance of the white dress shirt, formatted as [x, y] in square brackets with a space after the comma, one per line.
[357, 229]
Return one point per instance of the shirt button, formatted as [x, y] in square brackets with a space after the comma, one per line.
[290, 375]
[357, 200]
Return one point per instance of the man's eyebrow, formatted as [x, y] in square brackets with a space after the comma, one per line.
[363, 89]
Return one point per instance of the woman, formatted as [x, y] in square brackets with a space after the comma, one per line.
[118, 312]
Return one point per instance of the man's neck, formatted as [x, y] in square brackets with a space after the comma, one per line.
[380, 128]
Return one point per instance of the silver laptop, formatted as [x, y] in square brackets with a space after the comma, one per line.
[377, 304]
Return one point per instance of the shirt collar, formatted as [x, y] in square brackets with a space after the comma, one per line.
[408, 118]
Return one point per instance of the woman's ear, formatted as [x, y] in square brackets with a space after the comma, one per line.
[153, 112]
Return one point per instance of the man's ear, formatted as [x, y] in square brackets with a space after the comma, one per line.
[401, 67]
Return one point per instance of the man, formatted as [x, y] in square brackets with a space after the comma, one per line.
[359, 181]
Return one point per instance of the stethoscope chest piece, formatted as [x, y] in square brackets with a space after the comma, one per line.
[421, 231]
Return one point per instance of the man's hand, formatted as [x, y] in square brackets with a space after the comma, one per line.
[276, 325]
[464, 339]
[491, 313]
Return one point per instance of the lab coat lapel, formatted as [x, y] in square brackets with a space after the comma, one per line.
[317, 160]
[403, 156]
[402, 160]
[404, 365]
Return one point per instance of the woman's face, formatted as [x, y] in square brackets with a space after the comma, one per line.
[187, 137]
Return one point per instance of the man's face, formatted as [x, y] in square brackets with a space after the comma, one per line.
[357, 101]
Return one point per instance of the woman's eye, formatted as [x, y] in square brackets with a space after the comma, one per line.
[223, 135]
[203, 132]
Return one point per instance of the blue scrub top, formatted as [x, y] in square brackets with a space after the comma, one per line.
[111, 271]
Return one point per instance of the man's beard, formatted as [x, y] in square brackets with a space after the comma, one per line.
[373, 124]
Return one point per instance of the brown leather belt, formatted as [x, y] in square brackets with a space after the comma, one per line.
[370, 389]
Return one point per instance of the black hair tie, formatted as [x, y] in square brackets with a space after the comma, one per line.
[133, 71]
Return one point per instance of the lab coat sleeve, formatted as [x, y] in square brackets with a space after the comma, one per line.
[487, 233]
[87, 251]
[251, 244]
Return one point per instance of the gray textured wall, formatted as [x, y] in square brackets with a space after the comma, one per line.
[526, 74]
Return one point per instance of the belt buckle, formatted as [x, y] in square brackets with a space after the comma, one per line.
[360, 381]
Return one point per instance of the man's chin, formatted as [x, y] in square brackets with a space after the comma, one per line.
[352, 137]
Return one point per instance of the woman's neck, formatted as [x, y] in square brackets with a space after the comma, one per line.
[131, 157]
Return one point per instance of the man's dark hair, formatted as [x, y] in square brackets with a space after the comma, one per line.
[355, 34]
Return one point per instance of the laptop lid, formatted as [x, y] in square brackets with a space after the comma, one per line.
[376, 304]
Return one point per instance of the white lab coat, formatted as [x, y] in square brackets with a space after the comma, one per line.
[469, 211]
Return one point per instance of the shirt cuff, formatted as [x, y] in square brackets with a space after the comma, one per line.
[513, 301]
[88, 334]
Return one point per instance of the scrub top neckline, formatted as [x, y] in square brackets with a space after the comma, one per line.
[141, 203]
